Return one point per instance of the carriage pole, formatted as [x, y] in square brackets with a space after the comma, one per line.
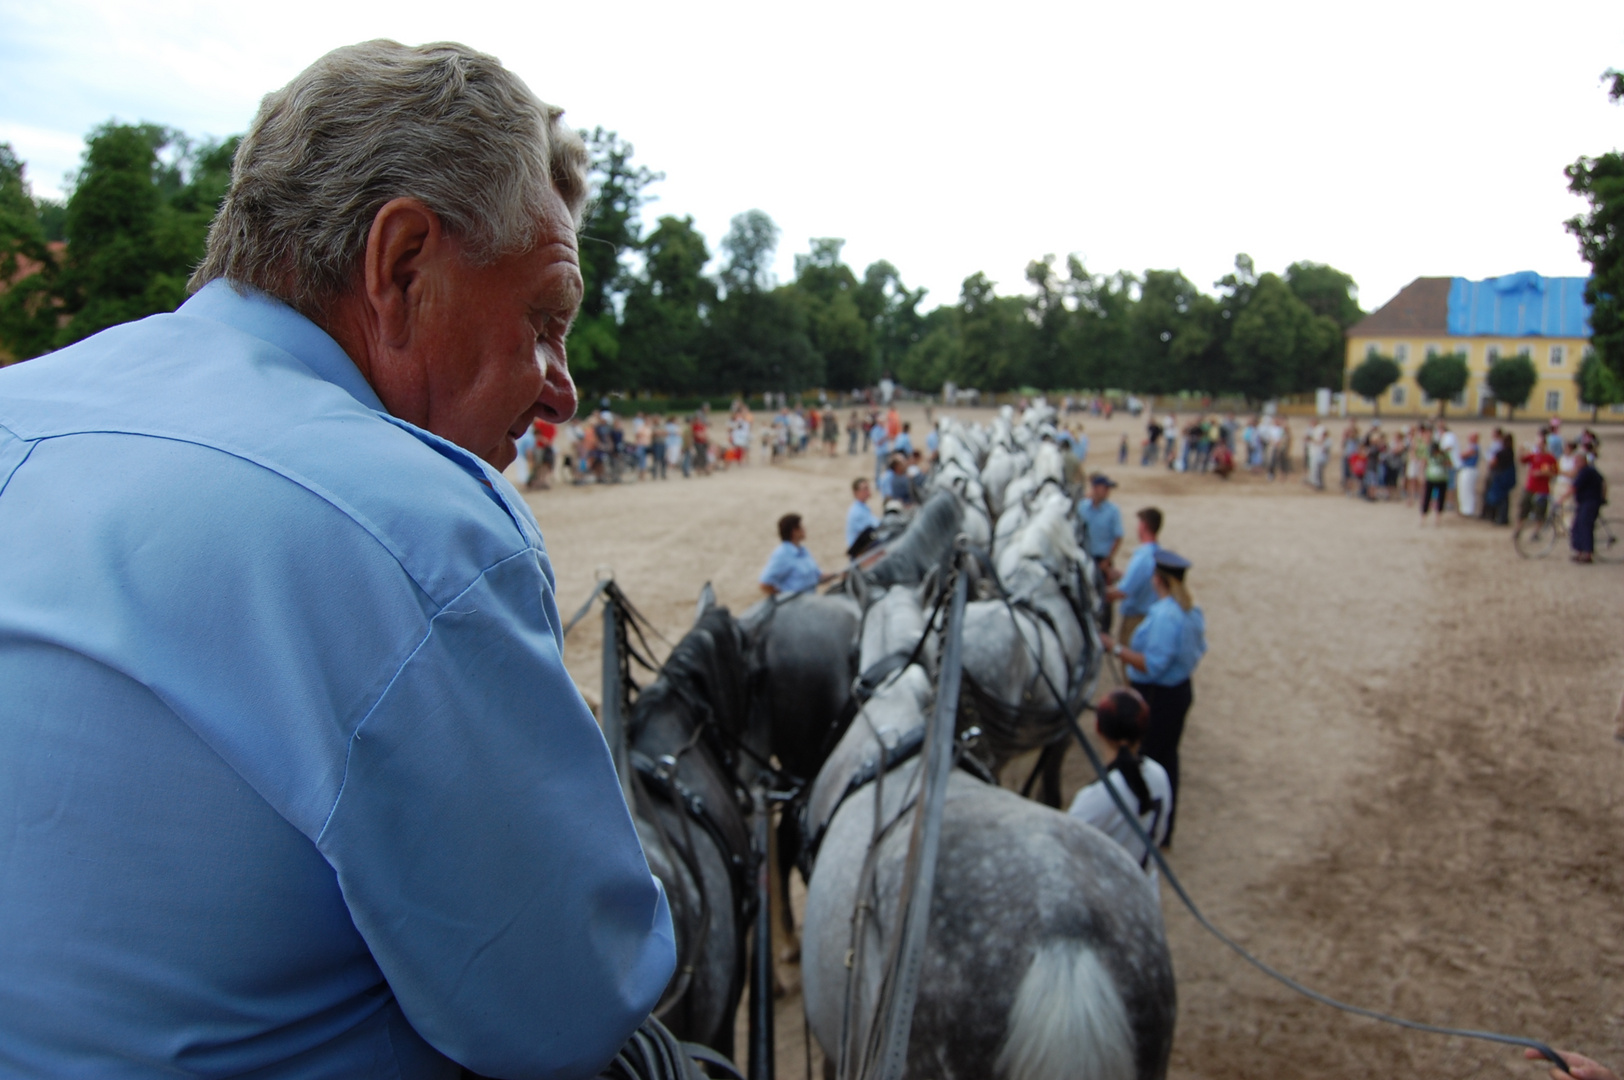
[762, 1041]
[894, 1015]
[610, 718]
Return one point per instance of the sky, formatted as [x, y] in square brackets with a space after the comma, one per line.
[1390, 140]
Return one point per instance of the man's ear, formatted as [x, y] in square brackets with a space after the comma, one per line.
[406, 238]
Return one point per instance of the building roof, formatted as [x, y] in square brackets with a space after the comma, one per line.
[1517, 305]
[1512, 305]
[1421, 307]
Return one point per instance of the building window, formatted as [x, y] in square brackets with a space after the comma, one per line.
[1401, 353]
[1432, 350]
[1372, 349]
[1459, 400]
[1398, 395]
[1492, 356]
[1553, 401]
[1525, 351]
[1558, 354]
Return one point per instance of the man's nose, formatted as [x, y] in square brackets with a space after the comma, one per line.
[558, 399]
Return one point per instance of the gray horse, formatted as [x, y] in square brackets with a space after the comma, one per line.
[1045, 955]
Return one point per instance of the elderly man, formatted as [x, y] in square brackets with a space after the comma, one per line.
[295, 782]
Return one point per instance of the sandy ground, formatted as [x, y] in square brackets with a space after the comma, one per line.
[1402, 783]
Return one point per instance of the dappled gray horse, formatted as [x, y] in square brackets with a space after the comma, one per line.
[1045, 955]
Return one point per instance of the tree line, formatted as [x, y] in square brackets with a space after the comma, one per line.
[664, 314]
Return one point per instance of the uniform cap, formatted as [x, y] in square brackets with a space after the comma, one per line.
[1103, 480]
[1172, 562]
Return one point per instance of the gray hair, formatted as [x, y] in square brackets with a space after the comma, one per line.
[379, 121]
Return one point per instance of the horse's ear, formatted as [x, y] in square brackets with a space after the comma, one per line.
[707, 600]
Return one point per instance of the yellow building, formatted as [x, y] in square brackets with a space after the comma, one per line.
[1544, 319]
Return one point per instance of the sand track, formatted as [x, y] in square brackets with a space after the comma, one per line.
[1401, 779]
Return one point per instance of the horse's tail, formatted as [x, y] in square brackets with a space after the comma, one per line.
[1068, 1021]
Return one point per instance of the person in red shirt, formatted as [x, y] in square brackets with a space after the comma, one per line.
[541, 458]
[1542, 469]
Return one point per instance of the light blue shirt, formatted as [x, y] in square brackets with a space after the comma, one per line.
[790, 569]
[858, 518]
[1080, 447]
[293, 781]
[1172, 640]
[895, 485]
[1104, 526]
[904, 443]
[1137, 580]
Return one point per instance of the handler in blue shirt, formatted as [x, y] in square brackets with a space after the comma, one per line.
[859, 518]
[1165, 651]
[791, 568]
[293, 781]
[1103, 519]
[1136, 589]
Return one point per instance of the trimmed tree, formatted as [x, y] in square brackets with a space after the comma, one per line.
[1372, 377]
[1441, 377]
[1512, 380]
[1598, 384]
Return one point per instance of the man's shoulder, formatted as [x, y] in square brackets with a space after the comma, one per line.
[238, 400]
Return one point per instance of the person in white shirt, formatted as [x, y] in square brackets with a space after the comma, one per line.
[1120, 719]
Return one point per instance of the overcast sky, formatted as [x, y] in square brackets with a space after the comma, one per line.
[1389, 140]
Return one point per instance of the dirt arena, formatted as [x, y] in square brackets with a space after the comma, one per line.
[1401, 779]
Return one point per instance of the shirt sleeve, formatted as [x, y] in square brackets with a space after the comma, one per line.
[1137, 575]
[486, 853]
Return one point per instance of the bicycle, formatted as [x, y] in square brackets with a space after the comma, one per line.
[1538, 541]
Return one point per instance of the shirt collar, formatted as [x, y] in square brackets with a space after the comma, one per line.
[261, 315]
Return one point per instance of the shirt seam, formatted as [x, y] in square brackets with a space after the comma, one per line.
[372, 709]
[349, 512]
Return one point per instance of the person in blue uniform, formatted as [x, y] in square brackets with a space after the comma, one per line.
[293, 780]
[1104, 523]
[1136, 590]
[1164, 653]
[859, 518]
[791, 568]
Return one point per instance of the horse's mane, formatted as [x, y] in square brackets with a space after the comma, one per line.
[924, 545]
[707, 669]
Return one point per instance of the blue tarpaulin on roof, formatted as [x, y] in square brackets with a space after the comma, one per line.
[1515, 305]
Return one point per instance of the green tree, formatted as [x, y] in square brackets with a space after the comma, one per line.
[27, 267]
[136, 224]
[1598, 384]
[835, 322]
[1600, 233]
[993, 337]
[1512, 379]
[611, 231]
[1441, 377]
[1329, 293]
[892, 312]
[938, 354]
[1096, 337]
[1277, 344]
[1372, 377]
[662, 336]
[1171, 342]
[758, 333]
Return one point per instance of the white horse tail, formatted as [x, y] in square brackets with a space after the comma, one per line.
[1068, 1021]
